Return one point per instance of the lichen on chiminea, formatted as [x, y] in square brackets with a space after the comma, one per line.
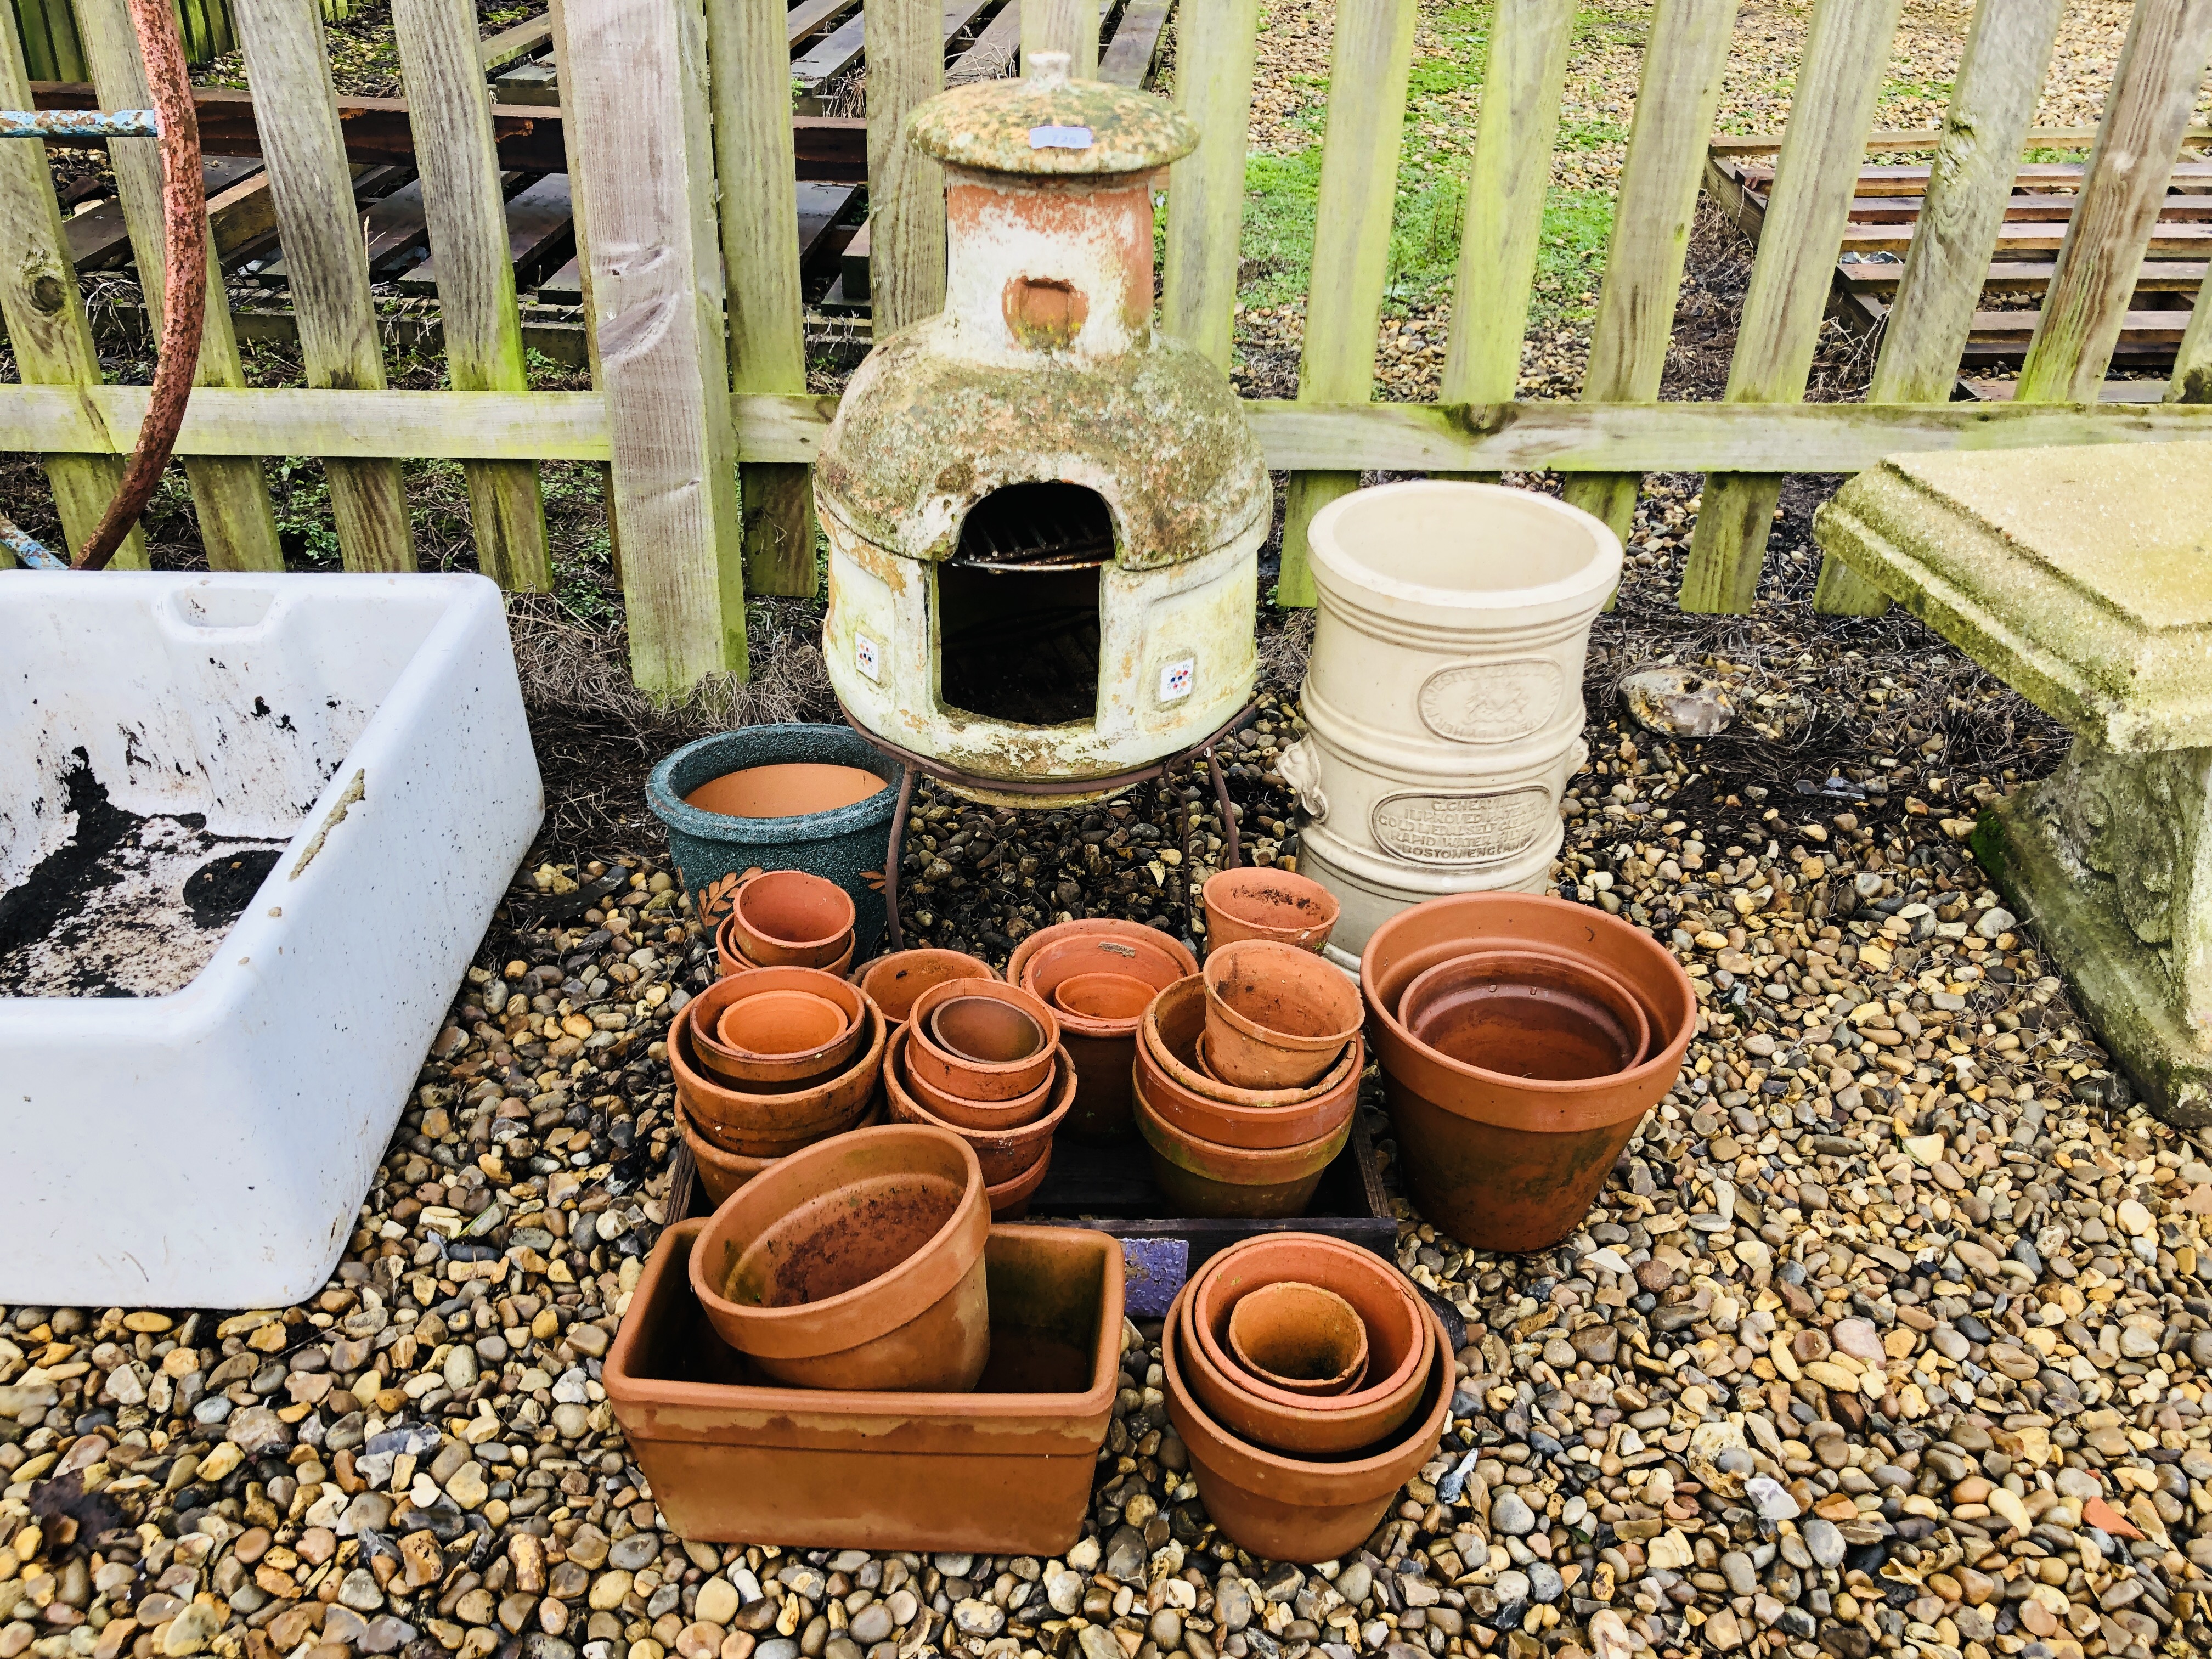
[1044, 515]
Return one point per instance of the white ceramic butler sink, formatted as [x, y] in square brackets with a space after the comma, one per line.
[252, 828]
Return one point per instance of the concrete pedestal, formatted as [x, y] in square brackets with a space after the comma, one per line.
[2083, 579]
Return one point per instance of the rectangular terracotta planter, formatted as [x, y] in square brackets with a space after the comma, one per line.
[1006, 1469]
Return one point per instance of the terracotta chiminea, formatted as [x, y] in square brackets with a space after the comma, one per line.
[1044, 517]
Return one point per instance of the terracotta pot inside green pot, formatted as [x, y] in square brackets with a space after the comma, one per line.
[846, 844]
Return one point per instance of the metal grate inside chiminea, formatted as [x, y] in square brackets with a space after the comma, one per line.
[1043, 516]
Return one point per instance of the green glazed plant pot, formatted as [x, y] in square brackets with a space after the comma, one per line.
[713, 850]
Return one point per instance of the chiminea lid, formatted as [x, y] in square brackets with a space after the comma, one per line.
[1048, 125]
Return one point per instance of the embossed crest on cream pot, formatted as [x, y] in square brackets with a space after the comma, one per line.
[1445, 692]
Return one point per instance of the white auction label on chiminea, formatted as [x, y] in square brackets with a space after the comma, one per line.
[1177, 678]
[867, 657]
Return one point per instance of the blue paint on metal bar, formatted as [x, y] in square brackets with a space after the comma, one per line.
[1154, 1270]
[28, 548]
[79, 124]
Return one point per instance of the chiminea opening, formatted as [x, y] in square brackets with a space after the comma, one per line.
[1018, 606]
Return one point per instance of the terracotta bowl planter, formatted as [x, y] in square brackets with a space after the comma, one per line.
[1103, 1049]
[895, 981]
[1279, 905]
[973, 1077]
[1253, 1118]
[1010, 1200]
[1005, 1153]
[1105, 997]
[964, 1114]
[1399, 1337]
[857, 1263]
[788, 919]
[1287, 1508]
[729, 1116]
[751, 1073]
[1299, 1338]
[1527, 1013]
[1513, 1163]
[1276, 1017]
[722, 1173]
[730, 958]
[1201, 1177]
[780, 1025]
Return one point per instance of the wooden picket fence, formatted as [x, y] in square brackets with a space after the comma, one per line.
[53, 51]
[700, 401]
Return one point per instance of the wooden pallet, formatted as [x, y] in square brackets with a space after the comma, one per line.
[1886, 209]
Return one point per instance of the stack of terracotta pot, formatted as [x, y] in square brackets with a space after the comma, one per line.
[856, 1265]
[1522, 1038]
[1099, 976]
[1246, 1078]
[983, 1060]
[768, 1061]
[893, 982]
[786, 919]
[1280, 905]
[1310, 1382]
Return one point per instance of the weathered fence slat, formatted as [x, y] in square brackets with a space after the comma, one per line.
[1969, 186]
[230, 496]
[2160, 69]
[1506, 180]
[634, 76]
[1676, 99]
[2192, 360]
[768, 345]
[45, 312]
[462, 198]
[906, 189]
[1068, 25]
[312, 187]
[1216, 43]
[1846, 59]
[1369, 65]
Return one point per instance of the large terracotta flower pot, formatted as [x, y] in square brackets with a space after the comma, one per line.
[1399, 1336]
[857, 1263]
[1201, 1177]
[722, 1173]
[1006, 1468]
[729, 959]
[1019, 1038]
[1255, 1118]
[1294, 1509]
[751, 1072]
[1299, 1338]
[729, 1116]
[1103, 1049]
[1527, 1013]
[1276, 1017]
[1280, 905]
[895, 981]
[1005, 1153]
[1503, 1163]
[789, 919]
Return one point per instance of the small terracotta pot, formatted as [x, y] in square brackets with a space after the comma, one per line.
[895, 981]
[964, 1114]
[1527, 1013]
[781, 1024]
[1103, 1050]
[730, 958]
[1399, 1337]
[722, 1173]
[1202, 1177]
[750, 1072]
[1278, 905]
[1010, 1199]
[1103, 996]
[855, 1264]
[1259, 1119]
[976, 1079]
[985, 1032]
[788, 919]
[1276, 1017]
[1293, 1508]
[1513, 1163]
[727, 1115]
[1299, 1338]
[1005, 1152]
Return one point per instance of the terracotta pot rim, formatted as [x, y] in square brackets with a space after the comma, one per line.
[730, 959]
[708, 1155]
[809, 1330]
[693, 1088]
[867, 970]
[995, 1140]
[821, 942]
[1317, 1482]
[1153, 1045]
[1222, 883]
[927, 1094]
[1235, 1166]
[1574, 965]
[1018, 1189]
[1026, 953]
[1356, 1260]
[1062, 1008]
[946, 990]
[1290, 1041]
[743, 1143]
[1244, 1126]
[817, 1061]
